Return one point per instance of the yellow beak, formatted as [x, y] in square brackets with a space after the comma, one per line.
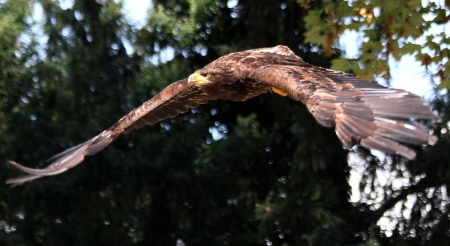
[196, 79]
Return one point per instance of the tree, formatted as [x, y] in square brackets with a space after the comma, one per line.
[241, 173]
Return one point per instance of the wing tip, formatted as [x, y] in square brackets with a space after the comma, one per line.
[13, 182]
[432, 140]
[407, 153]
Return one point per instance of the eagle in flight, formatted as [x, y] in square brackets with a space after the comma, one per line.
[361, 112]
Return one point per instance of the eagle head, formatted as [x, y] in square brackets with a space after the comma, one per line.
[211, 75]
[197, 79]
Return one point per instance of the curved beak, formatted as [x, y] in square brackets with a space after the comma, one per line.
[196, 79]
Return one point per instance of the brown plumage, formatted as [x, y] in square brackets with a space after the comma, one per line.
[362, 113]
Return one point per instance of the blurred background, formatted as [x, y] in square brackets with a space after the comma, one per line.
[260, 172]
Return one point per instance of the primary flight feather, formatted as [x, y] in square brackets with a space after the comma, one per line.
[361, 112]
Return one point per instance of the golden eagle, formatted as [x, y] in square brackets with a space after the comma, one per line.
[361, 112]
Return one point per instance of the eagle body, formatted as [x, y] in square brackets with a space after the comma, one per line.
[231, 75]
[361, 112]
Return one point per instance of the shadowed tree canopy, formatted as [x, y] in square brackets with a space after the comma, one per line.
[236, 173]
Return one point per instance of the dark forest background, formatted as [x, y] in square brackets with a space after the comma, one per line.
[260, 172]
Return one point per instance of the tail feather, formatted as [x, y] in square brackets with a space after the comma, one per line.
[374, 116]
[388, 146]
[384, 119]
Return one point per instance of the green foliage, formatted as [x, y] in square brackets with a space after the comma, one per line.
[391, 29]
[241, 173]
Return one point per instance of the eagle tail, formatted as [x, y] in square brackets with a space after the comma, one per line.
[385, 120]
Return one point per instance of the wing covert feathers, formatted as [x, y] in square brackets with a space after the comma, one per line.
[362, 112]
[174, 99]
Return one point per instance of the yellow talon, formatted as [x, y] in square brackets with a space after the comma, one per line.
[279, 92]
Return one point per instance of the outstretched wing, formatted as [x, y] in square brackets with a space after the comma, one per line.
[176, 98]
[362, 112]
